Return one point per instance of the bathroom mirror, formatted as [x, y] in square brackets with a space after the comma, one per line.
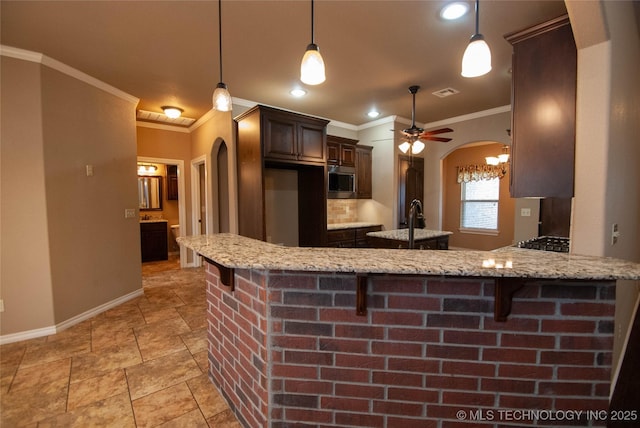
[149, 193]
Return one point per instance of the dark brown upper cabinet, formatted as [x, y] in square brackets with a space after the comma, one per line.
[290, 137]
[341, 151]
[364, 172]
[543, 110]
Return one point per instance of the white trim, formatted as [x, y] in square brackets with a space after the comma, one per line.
[48, 331]
[203, 119]
[98, 310]
[473, 231]
[25, 55]
[182, 192]
[470, 116]
[163, 126]
[196, 208]
[26, 335]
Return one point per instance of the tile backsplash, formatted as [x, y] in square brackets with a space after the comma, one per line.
[342, 211]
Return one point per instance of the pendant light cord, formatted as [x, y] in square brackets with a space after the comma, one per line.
[312, 21]
[477, 16]
[220, 34]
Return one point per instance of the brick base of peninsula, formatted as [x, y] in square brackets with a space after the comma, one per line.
[398, 338]
[288, 349]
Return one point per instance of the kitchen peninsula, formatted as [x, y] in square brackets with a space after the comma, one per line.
[382, 337]
[425, 239]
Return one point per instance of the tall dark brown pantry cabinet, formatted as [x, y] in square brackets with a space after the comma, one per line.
[543, 110]
[268, 138]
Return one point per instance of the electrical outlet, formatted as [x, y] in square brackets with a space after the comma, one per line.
[615, 233]
[129, 213]
[525, 212]
[89, 169]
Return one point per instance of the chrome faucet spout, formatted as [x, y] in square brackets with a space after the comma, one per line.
[415, 214]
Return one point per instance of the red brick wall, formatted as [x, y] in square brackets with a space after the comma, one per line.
[427, 349]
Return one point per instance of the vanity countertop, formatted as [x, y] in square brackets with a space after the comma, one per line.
[234, 251]
[351, 225]
[154, 220]
[403, 234]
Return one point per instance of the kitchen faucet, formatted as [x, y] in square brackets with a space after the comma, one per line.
[415, 214]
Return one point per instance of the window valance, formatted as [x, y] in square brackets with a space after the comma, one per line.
[480, 172]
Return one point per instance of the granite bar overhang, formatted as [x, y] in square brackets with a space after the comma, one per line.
[238, 252]
[286, 346]
[510, 267]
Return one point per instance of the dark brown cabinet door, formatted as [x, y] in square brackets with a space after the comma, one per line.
[172, 182]
[280, 137]
[543, 110]
[410, 186]
[364, 174]
[153, 241]
[348, 155]
[311, 143]
[333, 153]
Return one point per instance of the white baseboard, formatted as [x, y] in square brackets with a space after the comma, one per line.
[47, 331]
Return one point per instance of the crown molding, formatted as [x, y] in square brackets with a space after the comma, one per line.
[40, 58]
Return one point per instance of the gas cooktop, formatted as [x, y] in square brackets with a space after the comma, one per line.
[546, 243]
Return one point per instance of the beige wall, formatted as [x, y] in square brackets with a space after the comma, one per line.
[68, 248]
[607, 141]
[25, 265]
[451, 200]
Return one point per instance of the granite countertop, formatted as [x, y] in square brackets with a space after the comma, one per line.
[403, 234]
[352, 225]
[234, 251]
[154, 220]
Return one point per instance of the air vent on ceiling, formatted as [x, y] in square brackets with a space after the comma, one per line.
[150, 116]
[442, 93]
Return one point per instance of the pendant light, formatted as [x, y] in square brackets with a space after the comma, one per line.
[476, 60]
[221, 96]
[312, 66]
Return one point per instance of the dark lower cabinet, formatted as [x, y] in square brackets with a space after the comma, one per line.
[354, 237]
[153, 241]
[439, 243]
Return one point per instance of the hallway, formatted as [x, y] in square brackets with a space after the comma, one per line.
[140, 364]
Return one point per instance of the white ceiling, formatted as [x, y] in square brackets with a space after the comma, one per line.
[166, 52]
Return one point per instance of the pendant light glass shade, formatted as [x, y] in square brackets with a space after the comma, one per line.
[476, 60]
[404, 147]
[312, 66]
[417, 147]
[477, 57]
[221, 98]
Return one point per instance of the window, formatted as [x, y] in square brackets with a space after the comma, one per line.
[479, 205]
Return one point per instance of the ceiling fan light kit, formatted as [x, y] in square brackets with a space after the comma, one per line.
[476, 60]
[221, 97]
[415, 134]
[312, 66]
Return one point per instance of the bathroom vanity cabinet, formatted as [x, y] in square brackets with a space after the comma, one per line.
[154, 240]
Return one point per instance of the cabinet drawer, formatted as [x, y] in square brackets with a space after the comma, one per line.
[341, 235]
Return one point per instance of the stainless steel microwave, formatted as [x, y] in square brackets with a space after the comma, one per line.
[342, 182]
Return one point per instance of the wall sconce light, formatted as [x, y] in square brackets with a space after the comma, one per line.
[146, 169]
[172, 112]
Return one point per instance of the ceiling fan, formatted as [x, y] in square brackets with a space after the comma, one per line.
[415, 134]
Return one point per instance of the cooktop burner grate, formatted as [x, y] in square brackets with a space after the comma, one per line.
[546, 243]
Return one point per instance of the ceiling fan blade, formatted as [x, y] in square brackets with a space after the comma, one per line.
[438, 131]
[441, 139]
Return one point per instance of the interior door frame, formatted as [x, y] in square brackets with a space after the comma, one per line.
[182, 208]
[195, 200]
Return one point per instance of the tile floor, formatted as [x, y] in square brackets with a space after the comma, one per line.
[141, 364]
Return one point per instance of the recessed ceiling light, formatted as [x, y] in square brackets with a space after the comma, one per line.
[373, 113]
[454, 10]
[298, 92]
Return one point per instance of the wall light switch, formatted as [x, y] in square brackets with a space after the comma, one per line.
[89, 169]
[129, 213]
[525, 212]
[1, 305]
